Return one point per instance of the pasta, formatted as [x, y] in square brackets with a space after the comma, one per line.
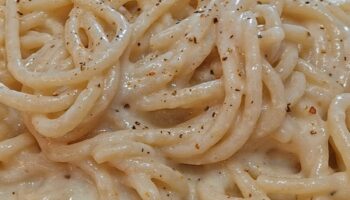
[175, 99]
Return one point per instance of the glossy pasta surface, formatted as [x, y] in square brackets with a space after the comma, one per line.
[174, 99]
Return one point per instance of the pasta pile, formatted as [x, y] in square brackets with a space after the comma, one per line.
[174, 99]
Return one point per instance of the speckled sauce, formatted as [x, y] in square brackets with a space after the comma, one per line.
[174, 99]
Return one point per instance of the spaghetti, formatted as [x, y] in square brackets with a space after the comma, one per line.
[174, 99]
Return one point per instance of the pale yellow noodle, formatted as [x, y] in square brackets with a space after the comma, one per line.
[174, 99]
